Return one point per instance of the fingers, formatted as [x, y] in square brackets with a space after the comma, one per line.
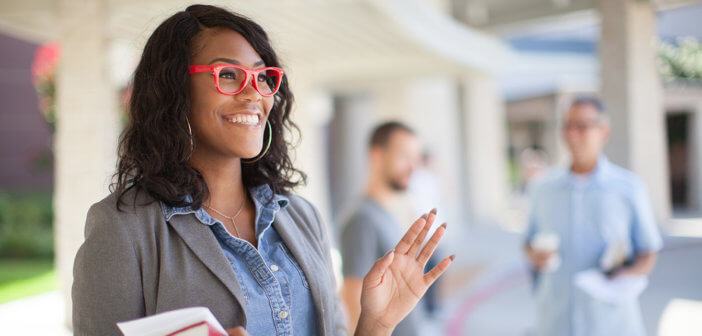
[419, 240]
[406, 242]
[539, 259]
[438, 270]
[375, 275]
[429, 248]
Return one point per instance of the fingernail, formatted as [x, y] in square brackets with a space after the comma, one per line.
[388, 253]
[433, 211]
[424, 216]
[444, 225]
[453, 256]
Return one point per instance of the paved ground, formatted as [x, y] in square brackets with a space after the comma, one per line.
[37, 315]
[497, 300]
[487, 292]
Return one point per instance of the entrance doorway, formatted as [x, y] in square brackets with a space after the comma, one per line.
[679, 147]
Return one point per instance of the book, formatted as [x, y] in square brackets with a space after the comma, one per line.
[191, 321]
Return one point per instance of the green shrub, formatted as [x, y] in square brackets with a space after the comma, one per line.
[26, 225]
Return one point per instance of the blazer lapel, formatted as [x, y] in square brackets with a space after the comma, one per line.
[204, 245]
[299, 247]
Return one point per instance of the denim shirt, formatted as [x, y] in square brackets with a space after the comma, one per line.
[276, 291]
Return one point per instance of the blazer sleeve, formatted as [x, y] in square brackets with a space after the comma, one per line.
[107, 285]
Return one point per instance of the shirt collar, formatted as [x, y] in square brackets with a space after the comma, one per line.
[599, 174]
[262, 195]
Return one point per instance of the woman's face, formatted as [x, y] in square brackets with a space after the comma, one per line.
[226, 125]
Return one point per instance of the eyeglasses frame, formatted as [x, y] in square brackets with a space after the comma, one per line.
[250, 74]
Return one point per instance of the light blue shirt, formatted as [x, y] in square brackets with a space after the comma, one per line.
[610, 206]
[277, 294]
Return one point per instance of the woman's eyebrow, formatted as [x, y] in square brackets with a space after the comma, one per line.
[233, 61]
[226, 60]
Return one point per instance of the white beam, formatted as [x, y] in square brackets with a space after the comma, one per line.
[440, 34]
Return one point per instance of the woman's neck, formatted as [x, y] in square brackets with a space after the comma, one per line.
[224, 181]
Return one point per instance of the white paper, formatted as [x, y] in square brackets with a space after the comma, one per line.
[620, 289]
[614, 256]
[168, 322]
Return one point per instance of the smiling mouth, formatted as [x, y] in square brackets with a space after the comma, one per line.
[244, 119]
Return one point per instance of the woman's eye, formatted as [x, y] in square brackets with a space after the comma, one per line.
[227, 75]
[262, 78]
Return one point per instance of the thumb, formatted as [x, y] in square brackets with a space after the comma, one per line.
[375, 275]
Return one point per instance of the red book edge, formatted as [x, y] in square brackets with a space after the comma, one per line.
[210, 330]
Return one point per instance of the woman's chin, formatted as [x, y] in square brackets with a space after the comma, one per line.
[248, 155]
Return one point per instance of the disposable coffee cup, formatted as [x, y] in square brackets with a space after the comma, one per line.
[548, 242]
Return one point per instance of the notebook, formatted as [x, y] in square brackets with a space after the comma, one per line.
[192, 321]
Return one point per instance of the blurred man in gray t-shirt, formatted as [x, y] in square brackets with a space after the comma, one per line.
[371, 231]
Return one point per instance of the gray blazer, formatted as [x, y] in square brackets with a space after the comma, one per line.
[133, 263]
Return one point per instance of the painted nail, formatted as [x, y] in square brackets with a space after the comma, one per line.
[453, 256]
[434, 211]
[444, 225]
[424, 216]
[388, 253]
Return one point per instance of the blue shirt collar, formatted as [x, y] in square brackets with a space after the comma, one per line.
[261, 195]
[599, 174]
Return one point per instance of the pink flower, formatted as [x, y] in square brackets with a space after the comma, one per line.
[45, 60]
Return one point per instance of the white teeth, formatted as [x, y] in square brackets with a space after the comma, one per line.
[245, 119]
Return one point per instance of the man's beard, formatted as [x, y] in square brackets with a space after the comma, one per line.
[396, 186]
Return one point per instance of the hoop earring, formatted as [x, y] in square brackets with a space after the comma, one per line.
[268, 145]
[190, 133]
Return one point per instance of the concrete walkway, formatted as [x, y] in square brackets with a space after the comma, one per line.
[40, 315]
[486, 292]
[496, 299]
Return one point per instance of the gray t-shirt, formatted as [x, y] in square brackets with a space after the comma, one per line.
[368, 234]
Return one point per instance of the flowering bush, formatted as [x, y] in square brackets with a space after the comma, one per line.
[681, 61]
[43, 76]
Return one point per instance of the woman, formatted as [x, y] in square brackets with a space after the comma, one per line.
[201, 212]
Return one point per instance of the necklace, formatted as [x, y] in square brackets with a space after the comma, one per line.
[231, 218]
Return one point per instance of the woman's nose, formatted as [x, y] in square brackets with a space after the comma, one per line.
[249, 92]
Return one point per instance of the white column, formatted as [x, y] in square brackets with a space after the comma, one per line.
[632, 93]
[312, 112]
[348, 155]
[485, 141]
[87, 128]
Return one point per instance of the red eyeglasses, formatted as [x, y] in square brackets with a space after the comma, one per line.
[231, 79]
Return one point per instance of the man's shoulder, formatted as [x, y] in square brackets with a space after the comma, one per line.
[553, 178]
[622, 178]
[365, 214]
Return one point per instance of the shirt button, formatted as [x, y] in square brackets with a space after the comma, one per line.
[282, 314]
[274, 268]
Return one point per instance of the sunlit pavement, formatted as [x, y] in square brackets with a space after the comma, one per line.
[37, 315]
[489, 292]
[486, 292]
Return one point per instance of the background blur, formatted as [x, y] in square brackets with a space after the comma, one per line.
[483, 82]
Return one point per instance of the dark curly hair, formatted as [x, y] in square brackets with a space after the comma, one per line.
[155, 146]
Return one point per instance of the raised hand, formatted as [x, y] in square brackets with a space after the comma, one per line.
[397, 281]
